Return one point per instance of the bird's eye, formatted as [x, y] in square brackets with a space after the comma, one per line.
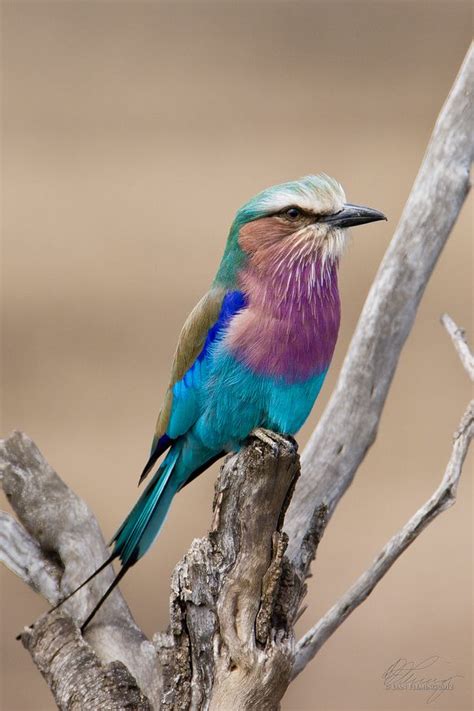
[292, 213]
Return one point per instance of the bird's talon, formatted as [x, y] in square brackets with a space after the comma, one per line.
[270, 438]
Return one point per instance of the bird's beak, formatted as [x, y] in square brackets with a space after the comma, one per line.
[352, 215]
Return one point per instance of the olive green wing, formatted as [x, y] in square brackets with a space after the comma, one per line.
[181, 402]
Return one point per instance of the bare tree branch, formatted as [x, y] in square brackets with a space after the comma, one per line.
[230, 643]
[459, 340]
[443, 498]
[71, 544]
[22, 554]
[348, 426]
[230, 637]
[74, 673]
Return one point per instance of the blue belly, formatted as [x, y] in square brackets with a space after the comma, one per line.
[235, 401]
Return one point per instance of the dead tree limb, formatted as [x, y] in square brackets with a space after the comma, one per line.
[58, 543]
[443, 498]
[74, 673]
[459, 341]
[230, 636]
[230, 644]
[236, 594]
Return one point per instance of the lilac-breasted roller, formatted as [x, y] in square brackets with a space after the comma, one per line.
[254, 352]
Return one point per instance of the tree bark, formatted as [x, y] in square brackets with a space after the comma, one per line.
[231, 642]
[58, 545]
[73, 672]
[443, 498]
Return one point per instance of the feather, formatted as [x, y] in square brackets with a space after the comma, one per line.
[204, 326]
[190, 343]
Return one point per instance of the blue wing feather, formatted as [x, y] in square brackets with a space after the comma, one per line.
[187, 391]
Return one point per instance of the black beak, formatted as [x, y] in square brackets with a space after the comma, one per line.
[352, 215]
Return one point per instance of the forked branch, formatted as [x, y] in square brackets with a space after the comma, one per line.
[443, 498]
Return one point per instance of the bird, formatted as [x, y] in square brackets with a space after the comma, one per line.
[253, 353]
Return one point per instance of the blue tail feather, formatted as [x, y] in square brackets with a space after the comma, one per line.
[136, 534]
[145, 520]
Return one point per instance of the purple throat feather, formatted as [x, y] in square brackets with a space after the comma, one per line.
[289, 329]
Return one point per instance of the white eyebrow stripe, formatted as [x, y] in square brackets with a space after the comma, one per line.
[284, 199]
[322, 196]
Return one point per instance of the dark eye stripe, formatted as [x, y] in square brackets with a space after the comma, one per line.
[284, 212]
[298, 211]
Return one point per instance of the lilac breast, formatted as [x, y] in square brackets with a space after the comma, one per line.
[289, 328]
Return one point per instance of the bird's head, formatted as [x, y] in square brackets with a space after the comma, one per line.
[307, 217]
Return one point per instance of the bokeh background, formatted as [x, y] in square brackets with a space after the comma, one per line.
[131, 133]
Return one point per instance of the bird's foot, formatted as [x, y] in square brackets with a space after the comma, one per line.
[272, 439]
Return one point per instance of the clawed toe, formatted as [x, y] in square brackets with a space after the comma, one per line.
[272, 439]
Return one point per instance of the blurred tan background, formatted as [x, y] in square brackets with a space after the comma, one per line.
[131, 133]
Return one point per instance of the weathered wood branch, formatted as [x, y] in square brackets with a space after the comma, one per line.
[230, 644]
[443, 498]
[459, 341]
[74, 673]
[70, 546]
[348, 426]
[231, 637]
[22, 554]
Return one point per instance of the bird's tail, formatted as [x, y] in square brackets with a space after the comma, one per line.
[140, 528]
[143, 523]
